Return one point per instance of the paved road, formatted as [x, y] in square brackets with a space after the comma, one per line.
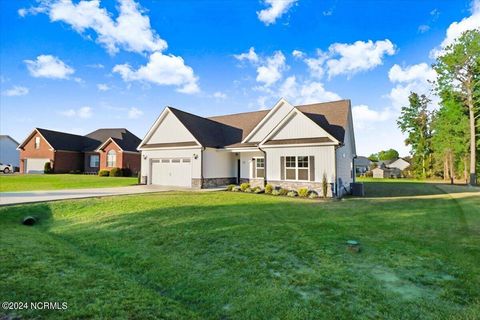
[11, 198]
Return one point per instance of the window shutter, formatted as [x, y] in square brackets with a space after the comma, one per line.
[254, 172]
[282, 168]
[311, 164]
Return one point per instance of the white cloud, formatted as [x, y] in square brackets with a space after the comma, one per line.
[83, 112]
[134, 113]
[220, 95]
[276, 9]
[305, 92]
[356, 57]
[364, 116]
[422, 72]
[162, 70]
[271, 71]
[250, 56]
[298, 54]
[416, 78]
[96, 66]
[130, 31]
[423, 28]
[456, 29]
[103, 87]
[48, 66]
[15, 91]
[316, 65]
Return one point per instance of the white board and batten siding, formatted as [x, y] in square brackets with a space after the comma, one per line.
[170, 130]
[299, 126]
[246, 165]
[344, 158]
[272, 120]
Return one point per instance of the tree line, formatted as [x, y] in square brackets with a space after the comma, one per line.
[444, 139]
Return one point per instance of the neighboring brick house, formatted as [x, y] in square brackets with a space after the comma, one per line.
[101, 149]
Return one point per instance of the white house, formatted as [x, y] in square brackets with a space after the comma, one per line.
[400, 164]
[288, 146]
[8, 151]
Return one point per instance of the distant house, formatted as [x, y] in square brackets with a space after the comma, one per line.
[385, 172]
[100, 149]
[390, 168]
[8, 151]
[400, 163]
[362, 164]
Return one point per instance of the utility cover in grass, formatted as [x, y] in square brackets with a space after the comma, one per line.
[29, 221]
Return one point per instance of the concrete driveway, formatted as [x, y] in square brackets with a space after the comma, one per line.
[12, 198]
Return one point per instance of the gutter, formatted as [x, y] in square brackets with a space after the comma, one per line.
[354, 171]
[201, 166]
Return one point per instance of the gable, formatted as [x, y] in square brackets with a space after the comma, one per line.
[271, 120]
[29, 142]
[168, 130]
[297, 126]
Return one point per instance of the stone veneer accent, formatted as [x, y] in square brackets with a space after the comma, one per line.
[212, 182]
[295, 185]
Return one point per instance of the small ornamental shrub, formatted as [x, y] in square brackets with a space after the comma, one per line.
[248, 190]
[126, 172]
[47, 168]
[283, 192]
[236, 189]
[258, 190]
[313, 194]
[292, 193]
[268, 188]
[104, 173]
[275, 192]
[116, 172]
[303, 192]
[244, 186]
[230, 187]
[324, 186]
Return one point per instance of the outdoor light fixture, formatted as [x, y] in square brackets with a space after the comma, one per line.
[195, 156]
[145, 157]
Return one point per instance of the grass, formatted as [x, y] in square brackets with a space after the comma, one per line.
[221, 255]
[31, 182]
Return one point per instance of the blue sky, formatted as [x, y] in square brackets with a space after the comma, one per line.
[77, 66]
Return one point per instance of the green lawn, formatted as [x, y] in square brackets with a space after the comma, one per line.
[31, 182]
[221, 255]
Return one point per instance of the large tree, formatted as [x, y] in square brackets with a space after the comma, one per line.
[458, 70]
[415, 120]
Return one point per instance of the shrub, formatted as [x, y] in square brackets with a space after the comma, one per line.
[313, 194]
[258, 190]
[275, 192]
[268, 188]
[283, 192]
[244, 186]
[127, 172]
[230, 187]
[116, 172]
[292, 193]
[248, 190]
[303, 192]
[324, 185]
[104, 173]
[236, 189]
[47, 168]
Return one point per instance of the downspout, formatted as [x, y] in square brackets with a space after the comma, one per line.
[354, 171]
[201, 167]
[264, 166]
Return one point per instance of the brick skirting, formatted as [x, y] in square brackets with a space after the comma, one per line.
[295, 185]
[212, 182]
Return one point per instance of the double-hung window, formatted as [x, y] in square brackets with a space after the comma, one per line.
[37, 142]
[297, 168]
[111, 159]
[94, 161]
[259, 167]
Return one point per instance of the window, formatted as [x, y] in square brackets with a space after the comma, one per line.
[111, 158]
[94, 161]
[175, 160]
[37, 142]
[259, 167]
[297, 168]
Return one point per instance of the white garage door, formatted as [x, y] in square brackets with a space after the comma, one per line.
[172, 172]
[35, 165]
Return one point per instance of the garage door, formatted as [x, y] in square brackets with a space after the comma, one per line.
[35, 165]
[172, 172]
